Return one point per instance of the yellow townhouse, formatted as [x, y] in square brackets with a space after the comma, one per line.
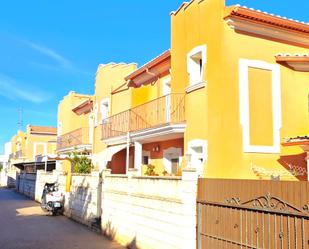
[245, 76]
[224, 100]
[149, 131]
[74, 128]
[112, 96]
[30, 149]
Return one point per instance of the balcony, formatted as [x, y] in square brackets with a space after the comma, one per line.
[169, 109]
[75, 140]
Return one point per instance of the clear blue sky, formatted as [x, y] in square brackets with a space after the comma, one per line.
[49, 47]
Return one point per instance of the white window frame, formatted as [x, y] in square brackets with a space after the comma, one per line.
[204, 155]
[59, 129]
[35, 145]
[95, 114]
[244, 65]
[191, 64]
[104, 102]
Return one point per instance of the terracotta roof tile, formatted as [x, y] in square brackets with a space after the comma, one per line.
[43, 129]
[267, 18]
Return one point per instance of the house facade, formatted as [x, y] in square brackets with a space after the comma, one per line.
[74, 128]
[245, 76]
[30, 149]
[112, 96]
[213, 103]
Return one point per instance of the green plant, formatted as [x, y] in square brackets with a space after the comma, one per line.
[1, 166]
[165, 173]
[81, 163]
[150, 170]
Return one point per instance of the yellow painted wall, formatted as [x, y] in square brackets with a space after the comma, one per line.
[218, 119]
[70, 120]
[108, 78]
[27, 141]
[39, 141]
[18, 142]
[149, 92]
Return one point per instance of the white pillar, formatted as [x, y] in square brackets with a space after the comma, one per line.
[45, 163]
[128, 153]
[138, 152]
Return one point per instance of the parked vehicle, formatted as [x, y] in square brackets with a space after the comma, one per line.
[52, 199]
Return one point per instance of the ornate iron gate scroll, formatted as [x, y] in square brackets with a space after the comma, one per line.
[263, 222]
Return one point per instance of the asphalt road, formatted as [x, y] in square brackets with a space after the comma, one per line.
[23, 225]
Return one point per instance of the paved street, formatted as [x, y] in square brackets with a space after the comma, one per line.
[24, 225]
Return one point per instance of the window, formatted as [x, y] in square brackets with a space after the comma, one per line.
[104, 106]
[145, 160]
[59, 129]
[253, 116]
[95, 114]
[196, 60]
[197, 151]
[145, 157]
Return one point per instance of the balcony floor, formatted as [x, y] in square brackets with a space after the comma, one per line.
[154, 134]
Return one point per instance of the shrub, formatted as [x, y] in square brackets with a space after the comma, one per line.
[81, 163]
[150, 170]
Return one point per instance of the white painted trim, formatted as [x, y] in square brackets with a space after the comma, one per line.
[91, 127]
[102, 102]
[167, 80]
[35, 147]
[196, 86]
[95, 114]
[159, 131]
[196, 50]
[148, 133]
[198, 143]
[59, 128]
[244, 66]
[77, 148]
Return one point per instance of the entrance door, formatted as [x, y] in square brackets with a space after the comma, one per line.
[172, 160]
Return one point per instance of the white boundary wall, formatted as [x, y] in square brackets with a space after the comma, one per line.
[150, 212]
[145, 212]
[83, 203]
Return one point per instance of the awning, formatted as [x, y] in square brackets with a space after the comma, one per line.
[107, 154]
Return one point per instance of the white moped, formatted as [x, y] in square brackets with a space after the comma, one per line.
[52, 199]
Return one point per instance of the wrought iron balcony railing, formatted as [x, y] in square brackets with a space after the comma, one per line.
[73, 139]
[164, 110]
